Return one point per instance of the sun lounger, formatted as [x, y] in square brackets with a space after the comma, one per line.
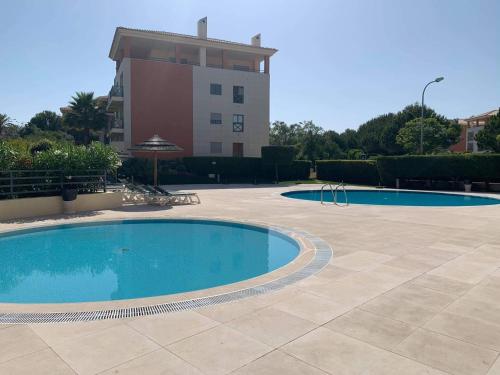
[178, 197]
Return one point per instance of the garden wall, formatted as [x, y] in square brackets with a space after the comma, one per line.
[43, 206]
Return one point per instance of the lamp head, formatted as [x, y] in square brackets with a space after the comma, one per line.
[438, 79]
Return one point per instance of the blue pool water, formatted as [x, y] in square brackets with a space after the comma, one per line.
[134, 258]
[394, 198]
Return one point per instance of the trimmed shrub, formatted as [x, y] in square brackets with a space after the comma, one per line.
[297, 170]
[484, 167]
[352, 171]
[229, 168]
[196, 169]
[277, 156]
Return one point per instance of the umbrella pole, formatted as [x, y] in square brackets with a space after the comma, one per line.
[156, 169]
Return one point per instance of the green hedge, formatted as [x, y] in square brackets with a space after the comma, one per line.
[236, 169]
[351, 171]
[227, 167]
[484, 167]
[196, 170]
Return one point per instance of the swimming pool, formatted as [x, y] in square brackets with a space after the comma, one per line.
[394, 198]
[118, 260]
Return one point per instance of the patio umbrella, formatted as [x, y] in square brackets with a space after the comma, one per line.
[156, 144]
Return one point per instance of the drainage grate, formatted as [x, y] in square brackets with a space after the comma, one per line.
[322, 256]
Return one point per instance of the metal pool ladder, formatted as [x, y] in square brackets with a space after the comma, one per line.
[334, 191]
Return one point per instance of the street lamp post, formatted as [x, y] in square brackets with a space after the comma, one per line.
[439, 79]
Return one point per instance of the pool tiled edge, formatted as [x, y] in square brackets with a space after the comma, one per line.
[321, 257]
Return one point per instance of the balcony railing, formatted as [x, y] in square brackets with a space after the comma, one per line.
[117, 124]
[242, 68]
[116, 91]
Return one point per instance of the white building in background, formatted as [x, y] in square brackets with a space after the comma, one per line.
[208, 96]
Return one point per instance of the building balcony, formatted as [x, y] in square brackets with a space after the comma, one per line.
[116, 126]
[115, 98]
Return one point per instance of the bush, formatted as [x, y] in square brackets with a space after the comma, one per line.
[229, 168]
[297, 170]
[71, 158]
[40, 146]
[197, 168]
[47, 155]
[352, 171]
[485, 167]
[277, 156]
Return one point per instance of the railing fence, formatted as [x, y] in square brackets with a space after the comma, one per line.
[23, 183]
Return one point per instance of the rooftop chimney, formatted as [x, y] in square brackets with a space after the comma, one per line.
[202, 28]
[256, 40]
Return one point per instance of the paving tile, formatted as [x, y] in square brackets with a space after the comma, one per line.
[228, 311]
[271, 326]
[488, 290]
[53, 333]
[467, 329]
[19, 340]
[451, 247]
[398, 365]
[373, 329]
[442, 284]
[159, 362]
[424, 297]
[219, 350]
[447, 354]
[278, 362]
[334, 273]
[465, 270]
[486, 311]
[313, 308]
[168, 328]
[412, 263]
[104, 349]
[399, 309]
[495, 369]
[360, 260]
[353, 290]
[44, 362]
[336, 353]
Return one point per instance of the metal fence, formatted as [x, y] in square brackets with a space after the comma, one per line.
[32, 183]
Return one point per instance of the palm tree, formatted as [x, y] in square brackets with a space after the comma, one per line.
[85, 115]
[4, 122]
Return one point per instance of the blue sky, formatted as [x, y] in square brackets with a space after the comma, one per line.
[340, 63]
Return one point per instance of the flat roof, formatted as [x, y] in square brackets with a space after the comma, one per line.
[185, 39]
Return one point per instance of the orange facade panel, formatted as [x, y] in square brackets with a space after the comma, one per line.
[162, 103]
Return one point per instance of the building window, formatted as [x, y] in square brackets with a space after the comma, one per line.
[238, 94]
[215, 89]
[216, 147]
[238, 150]
[116, 137]
[238, 123]
[184, 61]
[216, 118]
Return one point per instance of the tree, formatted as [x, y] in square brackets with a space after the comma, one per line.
[5, 121]
[282, 135]
[333, 145]
[350, 139]
[45, 121]
[489, 137]
[85, 116]
[277, 156]
[311, 142]
[438, 136]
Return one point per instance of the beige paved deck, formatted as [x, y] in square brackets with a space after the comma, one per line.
[410, 290]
